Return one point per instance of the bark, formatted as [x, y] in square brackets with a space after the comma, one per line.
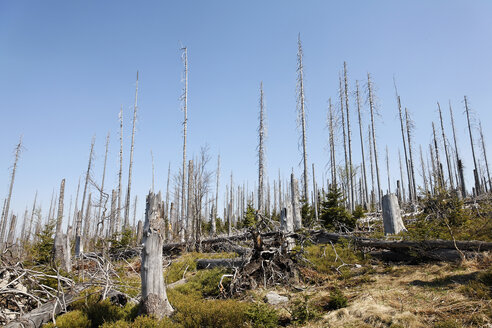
[154, 297]
[139, 232]
[261, 153]
[59, 246]
[315, 196]
[393, 224]
[132, 146]
[345, 178]
[120, 174]
[332, 146]
[388, 170]
[302, 113]
[185, 125]
[296, 209]
[402, 185]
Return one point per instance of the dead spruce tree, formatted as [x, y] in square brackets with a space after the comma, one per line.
[129, 187]
[100, 227]
[214, 216]
[484, 153]
[475, 172]
[154, 296]
[410, 128]
[301, 113]
[349, 139]
[345, 177]
[446, 152]
[61, 254]
[261, 152]
[78, 226]
[364, 175]
[184, 99]
[5, 216]
[120, 174]
[373, 131]
[402, 128]
[461, 178]
[332, 146]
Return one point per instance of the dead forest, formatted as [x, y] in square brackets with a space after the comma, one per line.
[349, 250]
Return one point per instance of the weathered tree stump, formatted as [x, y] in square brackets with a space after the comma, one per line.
[154, 297]
[296, 208]
[392, 221]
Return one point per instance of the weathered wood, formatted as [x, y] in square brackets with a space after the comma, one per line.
[392, 221]
[213, 263]
[296, 209]
[154, 297]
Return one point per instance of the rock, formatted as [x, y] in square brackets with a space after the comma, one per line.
[274, 298]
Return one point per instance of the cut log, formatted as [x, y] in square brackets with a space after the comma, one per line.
[393, 224]
[154, 297]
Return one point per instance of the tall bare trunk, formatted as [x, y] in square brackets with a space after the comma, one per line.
[484, 152]
[332, 146]
[440, 177]
[403, 195]
[78, 227]
[373, 129]
[369, 139]
[185, 124]
[410, 187]
[101, 192]
[129, 187]
[364, 175]
[217, 175]
[388, 170]
[423, 169]
[446, 153]
[349, 138]
[461, 178]
[302, 113]
[120, 174]
[475, 172]
[409, 125]
[60, 244]
[261, 152]
[11, 186]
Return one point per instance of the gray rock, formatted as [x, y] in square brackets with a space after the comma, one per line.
[274, 298]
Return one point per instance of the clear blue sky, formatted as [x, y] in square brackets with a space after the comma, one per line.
[67, 66]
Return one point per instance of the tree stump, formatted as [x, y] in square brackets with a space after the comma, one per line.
[296, 209]
[392, 221]
[154, 297]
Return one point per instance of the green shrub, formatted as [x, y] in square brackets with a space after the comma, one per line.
[303, 311]
[261, 315]
[73, 319]
[205, 283]
[337, 300]
[143, 322]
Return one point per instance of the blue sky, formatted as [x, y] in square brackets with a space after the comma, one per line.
[66, 67]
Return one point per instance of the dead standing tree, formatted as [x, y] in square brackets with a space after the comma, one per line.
[3, 220]
[301, 114]
[154, 296]
[372, 107]
[261, 152]
[475, 172]
[128, 190]
[349, 139]
[184, 98]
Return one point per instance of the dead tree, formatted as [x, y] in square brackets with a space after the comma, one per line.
[345, 178]
[440, 176]
[188, 224]
[393, 223]
[475, 172]
[388, 170]
[261, 152]
[101, 191]
[217, 175]
[184, 98]
[296, 209]
[402, 195]
[315, 196]
[61, 252]
[484, 153]
[410, 126]
[369, 139]
[423, 169]
[301, 113]
[120, 173]
[461, 178]
[373, 129]
[9, 197]
[446, 153]
[410, 189]
[332, 146]
[129, 187]
[154, 297]
[364, 175]
[78, 226]
[349, 138]
[167, 214]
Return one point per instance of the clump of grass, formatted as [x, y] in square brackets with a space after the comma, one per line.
[304, 310]
[261, 315]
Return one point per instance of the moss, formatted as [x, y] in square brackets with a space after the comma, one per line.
[73, 319]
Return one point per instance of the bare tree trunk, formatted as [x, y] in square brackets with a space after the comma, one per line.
[134, 213]
[440, 176]
[364, 175]
[302, 114]
[78, 227]
[403, 195]
[346, 178]
[11, 186]
[315, 196]
[388, 170]
[423, 169]
[332, 146]
[369, 139]
[101, 192]
[484, 151]
[154, 296]
[87, 223]
[60, 244]
[189, 233]
[373, 128]
[261, 153]
[475, 172]
[217, 175]
[393, 223]
[349, 137]
[120, 174]
[296, 209]
[167, 212]
[129, 187]
[461, 179]
[409, 125]
[446, 153]
[185, 124]
[410, 188]
[11, 234]
[32, 216]
[112, 225]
